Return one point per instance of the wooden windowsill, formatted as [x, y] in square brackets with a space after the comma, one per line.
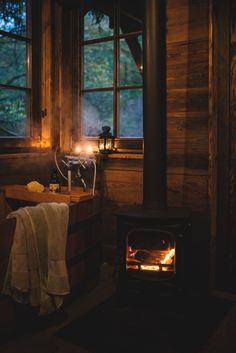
[24, 153]
[121, 155]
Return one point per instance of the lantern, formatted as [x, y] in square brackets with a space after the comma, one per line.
[106, 140]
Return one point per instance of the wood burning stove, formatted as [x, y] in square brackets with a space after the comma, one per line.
[153, 250]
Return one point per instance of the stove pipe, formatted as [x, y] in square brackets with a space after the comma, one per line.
[154, 106]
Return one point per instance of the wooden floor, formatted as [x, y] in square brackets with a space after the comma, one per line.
[224, 338]
[45, 340]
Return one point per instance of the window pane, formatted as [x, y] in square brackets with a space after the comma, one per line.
[13, 62]
[97, 108]
[131, 113]
[98, 65]
[98, 24]
[131, 64]
[13, 16]
[131, 16]
[13, 112]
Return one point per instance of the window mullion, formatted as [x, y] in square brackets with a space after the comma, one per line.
[115, 91]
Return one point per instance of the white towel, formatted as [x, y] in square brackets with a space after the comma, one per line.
[37, 272]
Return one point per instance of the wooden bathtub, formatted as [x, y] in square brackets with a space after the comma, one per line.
[83, 250]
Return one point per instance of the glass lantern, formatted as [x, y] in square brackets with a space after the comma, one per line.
[106, 140]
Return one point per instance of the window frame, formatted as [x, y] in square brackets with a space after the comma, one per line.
[14, 144]
[121, 143]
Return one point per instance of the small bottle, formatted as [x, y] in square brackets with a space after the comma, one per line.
[54, 182]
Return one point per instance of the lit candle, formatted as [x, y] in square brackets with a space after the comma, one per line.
[69, 180]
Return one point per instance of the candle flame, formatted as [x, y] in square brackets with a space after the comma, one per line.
[77, 149]
[89, 149]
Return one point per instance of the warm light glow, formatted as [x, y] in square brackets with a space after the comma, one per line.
[89, 149]
[150, 267]
[162, 261]
[40, 142]
[168, 257]
[77, 149]
[84, 149]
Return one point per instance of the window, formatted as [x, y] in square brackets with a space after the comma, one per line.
[16, 52]
[15, 59]
[111, 68]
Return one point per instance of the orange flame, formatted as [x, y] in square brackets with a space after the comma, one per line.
[150, 268]
[168, 257]
[168, 260]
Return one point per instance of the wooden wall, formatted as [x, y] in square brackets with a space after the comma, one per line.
[21, 169]
[223, 248]
[232, 177]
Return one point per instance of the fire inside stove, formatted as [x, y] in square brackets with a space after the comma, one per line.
[150, 250]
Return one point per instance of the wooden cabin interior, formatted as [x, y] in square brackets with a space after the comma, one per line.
[133, 104]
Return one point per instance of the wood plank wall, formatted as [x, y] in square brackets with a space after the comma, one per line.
[187, 105]
[226, 103]
[222, 146]
[21, 169]
[232, 247]
[220, 141]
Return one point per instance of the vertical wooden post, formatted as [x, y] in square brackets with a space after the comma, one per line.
[219, 145]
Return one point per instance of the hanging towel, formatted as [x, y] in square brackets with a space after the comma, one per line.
[37, 272]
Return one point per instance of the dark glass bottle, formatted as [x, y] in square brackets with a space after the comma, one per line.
[54, 182]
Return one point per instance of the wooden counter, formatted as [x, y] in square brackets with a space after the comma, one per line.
[20, 192]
